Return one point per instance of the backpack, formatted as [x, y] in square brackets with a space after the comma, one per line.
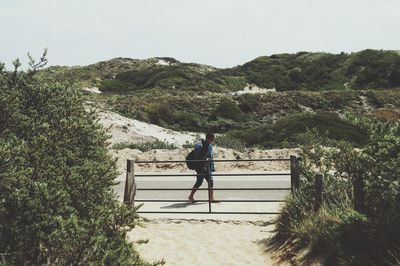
[196, 155]
[193, 155]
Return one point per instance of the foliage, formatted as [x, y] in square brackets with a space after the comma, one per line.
[249, 103]
[112, 85]
[145, 146]
[368, 69]
[185, 110]
[176, 76]
[322, 71]
[230, 143]
[159, 113]
[189, 121]
[56, 178]
[288, 131]
[375, 69]
[338, 234]
[228, 109]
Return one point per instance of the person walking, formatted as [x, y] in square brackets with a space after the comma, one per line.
[204, 169]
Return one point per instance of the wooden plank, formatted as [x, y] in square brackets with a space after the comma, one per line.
[130, 184]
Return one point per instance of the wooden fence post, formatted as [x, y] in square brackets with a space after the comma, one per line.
[318, 192]
[359, 194]
[130, 184]
[294, 172]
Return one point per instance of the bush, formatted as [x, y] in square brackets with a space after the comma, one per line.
[145, 146]
[110, 85]
[160, 113]
[338, 234]
[289, 131]
[375, 69]
[249, 102]
[189, 121]
[56, 180]
[228, 109]
[229, 142]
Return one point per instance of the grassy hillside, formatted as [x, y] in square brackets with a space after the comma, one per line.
[323, 71]
[366, 69]
[92, 75]
[221, 112]
[196, 97]
[301, 71]
[290, 130]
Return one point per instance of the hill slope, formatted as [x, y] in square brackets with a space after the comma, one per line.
[306, 71]
[194, 97]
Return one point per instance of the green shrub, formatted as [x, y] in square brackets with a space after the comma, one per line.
[289, 131]
[189, 121]
[338, 234]
[229, 142]
[220, 125]
[228, 109]
[160, 113]
[375, 69]
[249, 102]
[144, 146]
[110, 85]
[56, 179]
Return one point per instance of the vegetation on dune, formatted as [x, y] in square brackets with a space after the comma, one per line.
[301, 71]
[92, 75]
[144, 146]
[195, 97]
[261, 115]
[180, 76]
[323, 71]
[57, 205]
[368, 69]
[337, 233]
[288, 131]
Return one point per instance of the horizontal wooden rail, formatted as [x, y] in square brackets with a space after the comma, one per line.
[177, 175]
[173, 200]
[214, 212]
[220, 161]
[173, 189]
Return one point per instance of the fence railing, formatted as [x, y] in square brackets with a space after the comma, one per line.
[131, 185]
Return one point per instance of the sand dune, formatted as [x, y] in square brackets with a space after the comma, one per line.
[197, 240]
[123, 129]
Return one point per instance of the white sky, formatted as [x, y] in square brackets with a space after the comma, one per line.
[222, 33]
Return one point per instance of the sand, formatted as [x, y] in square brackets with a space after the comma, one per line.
[123, 129]
[206, 239]
[219, 153]
[92, 90]
[204, 242]
[253, 89]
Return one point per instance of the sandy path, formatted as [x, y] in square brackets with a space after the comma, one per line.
[204, 242]
[189, 240]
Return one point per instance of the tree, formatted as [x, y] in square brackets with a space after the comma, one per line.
[56, 176]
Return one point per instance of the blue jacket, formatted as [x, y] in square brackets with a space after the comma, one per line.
[209, 155]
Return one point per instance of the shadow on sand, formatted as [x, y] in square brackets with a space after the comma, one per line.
[182, 205]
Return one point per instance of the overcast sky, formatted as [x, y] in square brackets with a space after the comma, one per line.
[222, 33]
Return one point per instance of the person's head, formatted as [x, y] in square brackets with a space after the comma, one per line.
[210, 137]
